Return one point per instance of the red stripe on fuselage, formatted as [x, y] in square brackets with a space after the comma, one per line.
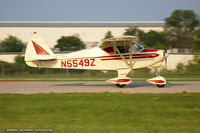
[149, 50]
[142, 56]
[115, 57]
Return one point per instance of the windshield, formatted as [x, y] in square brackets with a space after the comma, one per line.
[137, 47]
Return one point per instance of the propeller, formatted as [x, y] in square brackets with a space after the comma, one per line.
[165, 55]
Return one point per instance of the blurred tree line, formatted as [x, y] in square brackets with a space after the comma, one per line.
[181, 31]
[19, 67]
[69, 43]
[12, 44]
[192, 68]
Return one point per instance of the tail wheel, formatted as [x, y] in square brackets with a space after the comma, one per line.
[160, 86]
[120, 85]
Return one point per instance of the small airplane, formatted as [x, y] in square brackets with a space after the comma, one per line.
[122, 54]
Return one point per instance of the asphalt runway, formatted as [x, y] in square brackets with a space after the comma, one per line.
[33, 87]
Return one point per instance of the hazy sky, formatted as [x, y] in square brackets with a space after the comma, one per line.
[92, 10]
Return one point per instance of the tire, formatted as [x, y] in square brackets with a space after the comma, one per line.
[120, 85]
[160, 86]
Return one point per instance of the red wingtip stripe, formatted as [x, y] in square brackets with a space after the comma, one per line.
[121, 80]
[39, 50]
[156, 81]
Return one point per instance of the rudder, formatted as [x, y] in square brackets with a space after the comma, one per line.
[37, 50]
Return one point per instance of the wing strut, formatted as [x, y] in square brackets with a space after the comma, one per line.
[116, 49]
[129, 63]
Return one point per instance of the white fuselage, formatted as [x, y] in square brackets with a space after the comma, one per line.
[97, 59]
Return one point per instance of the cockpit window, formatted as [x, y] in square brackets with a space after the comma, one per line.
[123, 49]
[126, 48]
[137, 47]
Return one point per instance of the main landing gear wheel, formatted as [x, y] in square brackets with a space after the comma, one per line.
[120, 85]
[160, 86]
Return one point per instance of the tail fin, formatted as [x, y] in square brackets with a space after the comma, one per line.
[37, 50]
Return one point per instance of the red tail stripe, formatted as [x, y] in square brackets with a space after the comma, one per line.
[39, 50]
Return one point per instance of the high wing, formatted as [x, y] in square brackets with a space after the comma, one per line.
[120, 46]
[107, 44]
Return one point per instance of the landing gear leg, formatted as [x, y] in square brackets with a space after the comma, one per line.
[159, 81]
[158, 72]
[120, 85]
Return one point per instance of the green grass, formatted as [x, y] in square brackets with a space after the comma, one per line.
[102, 113]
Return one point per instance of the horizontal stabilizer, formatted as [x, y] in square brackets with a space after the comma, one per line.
[44, 58]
